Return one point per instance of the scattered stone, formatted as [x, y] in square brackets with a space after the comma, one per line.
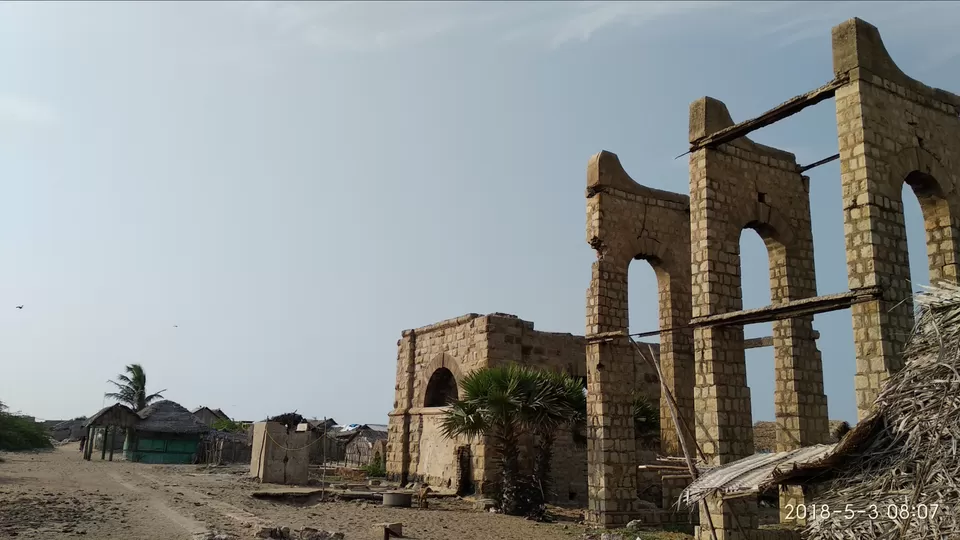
[309, 533]
[388, 530]
[214, 535]
[635, 525]
[484, 504]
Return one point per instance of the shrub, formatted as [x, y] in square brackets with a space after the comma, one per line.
[18, 433]
[376, 469]
[228, 426]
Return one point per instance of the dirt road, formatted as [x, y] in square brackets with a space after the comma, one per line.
[56, 495]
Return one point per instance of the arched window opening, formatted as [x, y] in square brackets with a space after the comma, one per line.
[643, 300]
[916, 193]
[441, 389]
[755, 291]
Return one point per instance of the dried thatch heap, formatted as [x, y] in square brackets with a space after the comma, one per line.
[900, 465]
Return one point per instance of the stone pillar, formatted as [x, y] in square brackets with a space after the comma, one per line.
[676, 362]
[735, 186]
[398, 430]
[892, 130]
[611, 446]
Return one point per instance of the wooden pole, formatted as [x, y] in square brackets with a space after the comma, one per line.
[677, 423]
[103, 444]
[88, 444]
[113, 441]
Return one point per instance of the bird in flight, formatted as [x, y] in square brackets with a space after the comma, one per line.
[175, 326]
[20, 307]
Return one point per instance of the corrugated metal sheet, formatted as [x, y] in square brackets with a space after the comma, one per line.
[750, 473]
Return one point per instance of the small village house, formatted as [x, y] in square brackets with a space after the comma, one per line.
[209, 416]
[324, 445]
[166, 433]
[363, 443]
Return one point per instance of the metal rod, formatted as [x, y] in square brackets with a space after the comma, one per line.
[823, 161]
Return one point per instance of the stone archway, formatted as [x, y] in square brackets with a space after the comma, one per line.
[441, 388]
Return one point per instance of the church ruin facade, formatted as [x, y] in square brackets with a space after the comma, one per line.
[892, 131]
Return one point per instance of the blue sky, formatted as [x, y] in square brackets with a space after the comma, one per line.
[292, 185]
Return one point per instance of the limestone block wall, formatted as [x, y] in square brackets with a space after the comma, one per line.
[892, 130]
[458, 345]
[733, 187]
[627, 221]
[416, 451]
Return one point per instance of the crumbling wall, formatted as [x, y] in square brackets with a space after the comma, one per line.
[892, 130]
[627, 221]
[458, 345]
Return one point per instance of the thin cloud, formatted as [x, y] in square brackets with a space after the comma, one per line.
[361, 26]
[21, 110]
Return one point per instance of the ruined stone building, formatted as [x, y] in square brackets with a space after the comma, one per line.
[430, 362]
[892, 131]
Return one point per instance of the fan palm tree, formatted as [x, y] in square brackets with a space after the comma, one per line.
[498, 403]
[561, 402]
[646, 420]
[132, 388]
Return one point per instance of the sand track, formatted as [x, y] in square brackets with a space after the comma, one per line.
[56, 495]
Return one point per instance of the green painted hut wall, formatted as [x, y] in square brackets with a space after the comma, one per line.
[162, 448]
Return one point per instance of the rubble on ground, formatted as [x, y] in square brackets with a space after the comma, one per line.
[306, 533]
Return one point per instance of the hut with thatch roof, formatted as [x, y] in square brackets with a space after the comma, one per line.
[900, 466]
[897, 473]
[165, 433]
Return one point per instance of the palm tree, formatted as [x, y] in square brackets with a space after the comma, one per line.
[561, 402]
[498, 403]
[646, 420]
[133, 388]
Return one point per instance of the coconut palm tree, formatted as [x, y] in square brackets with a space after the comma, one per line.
[132, 388]
[497, 402]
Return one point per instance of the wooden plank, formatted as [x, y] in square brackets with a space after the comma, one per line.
[789, 310]
[750, 343]
[785, 109]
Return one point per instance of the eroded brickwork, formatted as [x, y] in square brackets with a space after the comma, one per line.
[627, 221]
[417, 451]
[892, 130]
[736, 186]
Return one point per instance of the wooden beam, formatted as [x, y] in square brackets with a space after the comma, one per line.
[789, 310]
[823, 161]
[785, 109]
[750, 343]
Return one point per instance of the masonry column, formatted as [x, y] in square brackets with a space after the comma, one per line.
[676, 360]
[799, 402]
[611, 446]
[724, 429]
[398, 431]
[873, 131]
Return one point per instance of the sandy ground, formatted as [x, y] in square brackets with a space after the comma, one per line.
[56, 495]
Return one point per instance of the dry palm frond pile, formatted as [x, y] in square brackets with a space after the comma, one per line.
[905, 478]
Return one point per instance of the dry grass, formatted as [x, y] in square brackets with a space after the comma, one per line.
[908, 457]
[765, 435]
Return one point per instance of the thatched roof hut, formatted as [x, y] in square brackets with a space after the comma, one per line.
[903, 460]
[118, 415]
[898, 470]
[169, 417]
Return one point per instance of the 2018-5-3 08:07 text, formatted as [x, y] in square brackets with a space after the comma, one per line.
[873, 511]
